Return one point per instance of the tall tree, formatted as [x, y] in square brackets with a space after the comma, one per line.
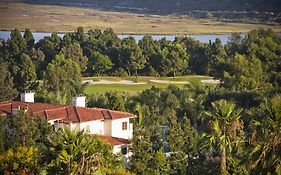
[176, 58]
[200, 57]
[61, 78]
[100, 63]
[75, 53]
[51, 46]
[244, 73]
[131, 55]
[80, 35]
[16, 44]
[28, 36]
[141, 150]
[225, 132]
[265, 138]
[24, 74]
[177, 158]
[159, 164]
[6, 83]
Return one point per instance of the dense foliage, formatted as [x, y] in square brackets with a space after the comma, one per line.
[30, 146]
[231, 128]
[249, 63]
[202, 130]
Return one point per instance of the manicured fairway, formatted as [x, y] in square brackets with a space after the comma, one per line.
[132, 88]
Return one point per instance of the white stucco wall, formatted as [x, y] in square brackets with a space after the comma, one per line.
[54, 122]
[116, 149]
[116, 129]
[27, 97]
[72, 126]
[107, 127]
[94, 127]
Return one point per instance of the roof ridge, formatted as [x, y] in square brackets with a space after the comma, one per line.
[102, 109]
[5, 103]
[106, 110]
[77, 114]
[53, 109]
[8, 101]
[122, 112]
[45, 111]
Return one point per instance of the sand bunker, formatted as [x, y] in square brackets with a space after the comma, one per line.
[170, 82]
[126, 82]
[211, 81]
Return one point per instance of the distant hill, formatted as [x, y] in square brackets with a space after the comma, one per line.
[174, 6]
[251, 11]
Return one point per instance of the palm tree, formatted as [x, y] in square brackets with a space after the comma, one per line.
[266, 139]
[75, 152]
[225, 130]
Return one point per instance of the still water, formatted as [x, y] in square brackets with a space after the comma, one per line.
[202, 38]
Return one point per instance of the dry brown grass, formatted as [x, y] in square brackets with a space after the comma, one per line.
[51, 18]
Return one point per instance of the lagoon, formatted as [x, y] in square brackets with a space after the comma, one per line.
[4, 35]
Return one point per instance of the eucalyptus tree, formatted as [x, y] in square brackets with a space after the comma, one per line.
[265, 45]
[16, 45]
[25, 76]
[244, 73]
[176, 59]
[51, 46]
[6, 83]
[75, 53]
[28, 36]
[99, 63]
[131, 55]
[61, 78]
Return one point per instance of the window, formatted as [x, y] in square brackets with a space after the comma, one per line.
[124, 125]
[124, 150]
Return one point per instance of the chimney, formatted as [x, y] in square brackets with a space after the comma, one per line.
[27, 97]
[79, 100]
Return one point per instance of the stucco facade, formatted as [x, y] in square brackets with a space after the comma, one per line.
[112, 126]
[118, 131]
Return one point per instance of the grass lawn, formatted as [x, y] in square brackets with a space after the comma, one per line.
[51, 18]
[134, 89]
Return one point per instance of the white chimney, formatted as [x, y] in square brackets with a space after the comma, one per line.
[27, 97]
[79, 101]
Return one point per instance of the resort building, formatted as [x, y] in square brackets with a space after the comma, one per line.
[113, 127]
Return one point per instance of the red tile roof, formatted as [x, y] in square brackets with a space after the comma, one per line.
[64, 113]
[114, 140]
[5, 108]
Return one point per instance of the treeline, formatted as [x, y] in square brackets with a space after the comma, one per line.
[246, 63]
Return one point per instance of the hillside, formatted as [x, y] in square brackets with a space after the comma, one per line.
[55, 18]
[172, 6]
[240, 10]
